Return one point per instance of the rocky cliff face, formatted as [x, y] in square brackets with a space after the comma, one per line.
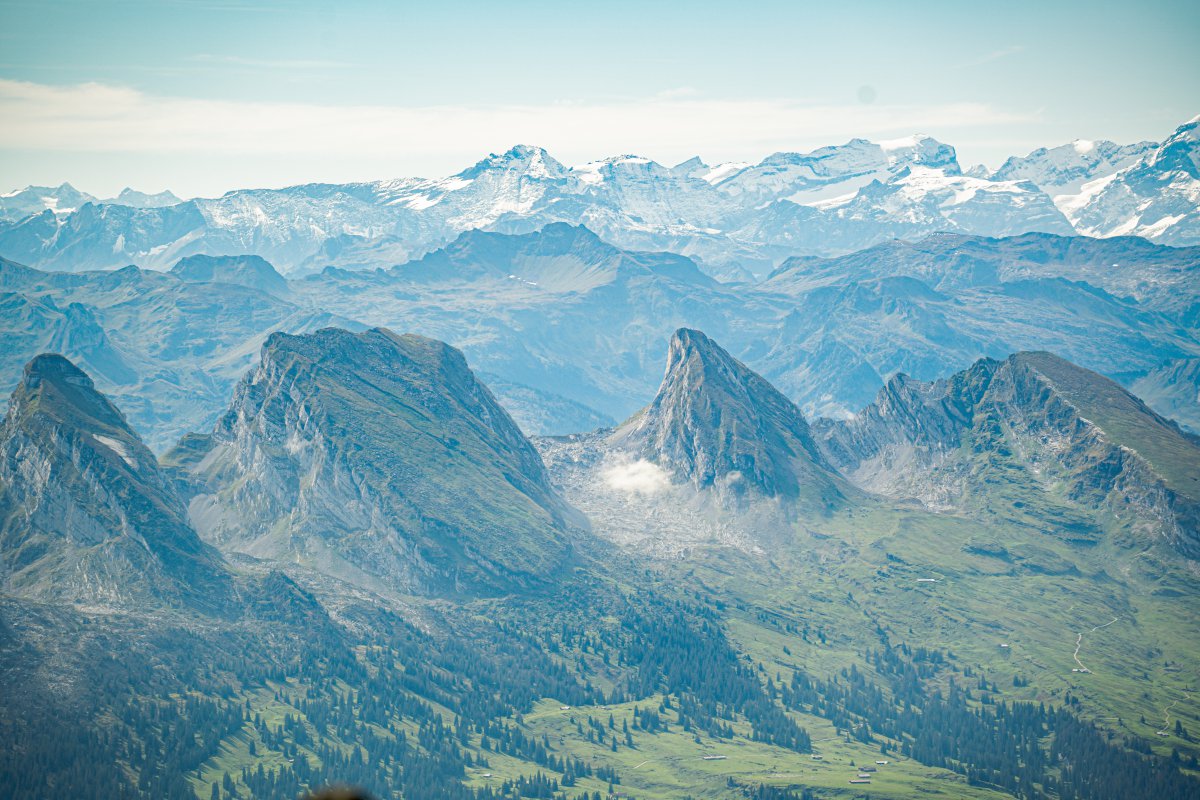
[377, 459]
[86, 516]
[1030, 432]
[716, 424]
[1155, 197]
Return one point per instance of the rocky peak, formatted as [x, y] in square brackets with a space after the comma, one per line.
[1003, 434]
[694, 167]
[132, 197]
[54, 387]
[1064, 169]
[559, 257]
[377, 459]
[85, 514]
[921, 150]
[716, 423]
[533, 162]
[1181, 151]
[562, 237]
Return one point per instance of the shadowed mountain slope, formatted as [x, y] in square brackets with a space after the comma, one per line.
[85, 514]
[378, 459]
[1032, 436]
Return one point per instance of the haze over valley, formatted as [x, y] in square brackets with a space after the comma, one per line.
[830, 471]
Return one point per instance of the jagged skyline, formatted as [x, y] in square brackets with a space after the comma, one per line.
[201, 98]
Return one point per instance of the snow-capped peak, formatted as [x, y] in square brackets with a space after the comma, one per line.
[904, 142]
[830, 199]
[693, 163]
[534, 162]
[595, 172]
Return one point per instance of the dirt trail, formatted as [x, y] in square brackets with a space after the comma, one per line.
[1167, 715]
[1079, 643]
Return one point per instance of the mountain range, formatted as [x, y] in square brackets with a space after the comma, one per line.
[65, 198]
[567, 329]
[364, 493]
[747, 482]
[735, 220]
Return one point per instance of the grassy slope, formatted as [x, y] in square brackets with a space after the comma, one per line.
[1147, 659]
[837, 580]
[665, 765]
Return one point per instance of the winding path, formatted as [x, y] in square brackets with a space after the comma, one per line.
[1075, 655]
[1079, 643]
[1167, 715]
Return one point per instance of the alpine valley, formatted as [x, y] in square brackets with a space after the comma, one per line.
[849, 473]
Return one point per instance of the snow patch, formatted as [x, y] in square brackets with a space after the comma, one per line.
[904, 143]
[1159, 228]
[421, 202]
[589, 173]
[1071, 204]
[722, 171]
[51, 203]
[118, 447]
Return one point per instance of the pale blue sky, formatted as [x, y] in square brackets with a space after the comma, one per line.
[211, 95]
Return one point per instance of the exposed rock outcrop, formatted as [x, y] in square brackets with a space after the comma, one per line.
[1015, 431]
[86, 516]
[380, 460]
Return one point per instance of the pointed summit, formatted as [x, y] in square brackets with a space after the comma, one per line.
[716, 423]
[57, 389]
[694, 167]
[85, 514]
[1180, 152]
[533, 162]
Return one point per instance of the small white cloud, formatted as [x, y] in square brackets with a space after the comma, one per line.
[636, 477]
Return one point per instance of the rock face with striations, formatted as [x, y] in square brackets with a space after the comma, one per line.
[380, 460]
[717, 424]
[86, 516]
[1032, 435]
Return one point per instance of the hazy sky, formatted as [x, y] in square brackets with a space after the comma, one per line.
[205, 96]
